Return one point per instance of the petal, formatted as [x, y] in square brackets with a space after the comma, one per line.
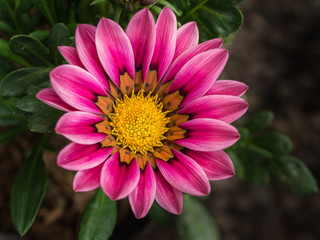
[217, 165]
[168, 197]
[118, 179]
[49, 96]
[166, 36]
[187, 55]
[198, 75]
[228, 87]
[78, 127]
[70, 55]
[87, 180]
[76, 87]
[114, 50]
[86, 48]
[142, 197]
[184, 174]
[141, 31]
[187, 37]
[221, 107]
[206, 134]
[78, 157]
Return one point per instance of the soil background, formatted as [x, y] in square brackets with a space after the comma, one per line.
[277, 54]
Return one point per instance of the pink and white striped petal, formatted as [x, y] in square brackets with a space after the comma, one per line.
[187, 37]
[141, 31]
[222, 107]
[86, 48]
[118, 179]
[199, 74]
[228, 87]
[166, 36]
[49, 96]
[79, 157]
[185, 174]
[205, 134]
[168, 197]
[79, 127]
[70, 55]
[217, 165]
[77, 87]
[114, 50]
[142, 197]
[87, 180]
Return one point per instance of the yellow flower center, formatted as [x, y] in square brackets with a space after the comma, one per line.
[139, 123]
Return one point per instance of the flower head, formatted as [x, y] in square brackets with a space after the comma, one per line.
[145, 114]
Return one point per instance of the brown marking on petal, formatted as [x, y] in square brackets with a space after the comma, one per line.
[172, 101]
[126, 84]
[164, 89]
[151, 160]
[141, 160]
[178, 119]
[115, 149]
[126, 155]
[151, 81]
[103, 127]
[163, 153]
[105, 104]
[109, 141]
[173, 145]
[175, 133]
[138, 81]
[114, 90]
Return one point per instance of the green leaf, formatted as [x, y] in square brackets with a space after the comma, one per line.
[195, 222]
[5, 27]
[226, 3]
[275, 142]
[99, 218]
[259, 121]
[28, 190]
[18, 81]
[97, 2]
[172, 7]
[59, 36]
[30, 49]
[238, 165]
[6, 53]
[44, 122]
[32, 104]
[5, 68]
[294, 175]
[8, 114]
[8, 135]
[47, 8]
[39, 34]
[22, 6]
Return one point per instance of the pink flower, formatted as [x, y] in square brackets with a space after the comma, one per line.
[145, 114]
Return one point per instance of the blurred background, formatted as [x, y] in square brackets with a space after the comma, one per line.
[276, 53]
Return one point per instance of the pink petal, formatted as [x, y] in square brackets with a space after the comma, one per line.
[221, 107]
[168, 197]
[87, 180]
[217, 165]
[184, 174]
[76, 87]
[141, 31]
[187, 37]
[78, 127]
[228, 87]
[70, 55]
[198, 74]
[166, 29]
[49, 96]
[204, 134]
[118, 179]
[114, 50]
[142, 197]
[78, 157]
[188, 54]
[86, 48]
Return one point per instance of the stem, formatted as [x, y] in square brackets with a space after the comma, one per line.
[117, 14]
[193, 10]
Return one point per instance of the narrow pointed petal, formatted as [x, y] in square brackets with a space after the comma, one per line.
[187, 37]
[188, 54]
[78, 127]
[70, 55]
[141, 31]
[204, 134]
[78, 157]
[118, 179]
[228, 87]
[168, 197]
[86, 48]
[166, 36]
[185, 174]
[199, 74]
[114, 50]
[49, 96]
[217, 165]
[87, 180]
[142, 197]
[221, 107]
[77, 87]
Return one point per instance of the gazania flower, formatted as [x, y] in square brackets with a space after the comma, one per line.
[145, 114]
